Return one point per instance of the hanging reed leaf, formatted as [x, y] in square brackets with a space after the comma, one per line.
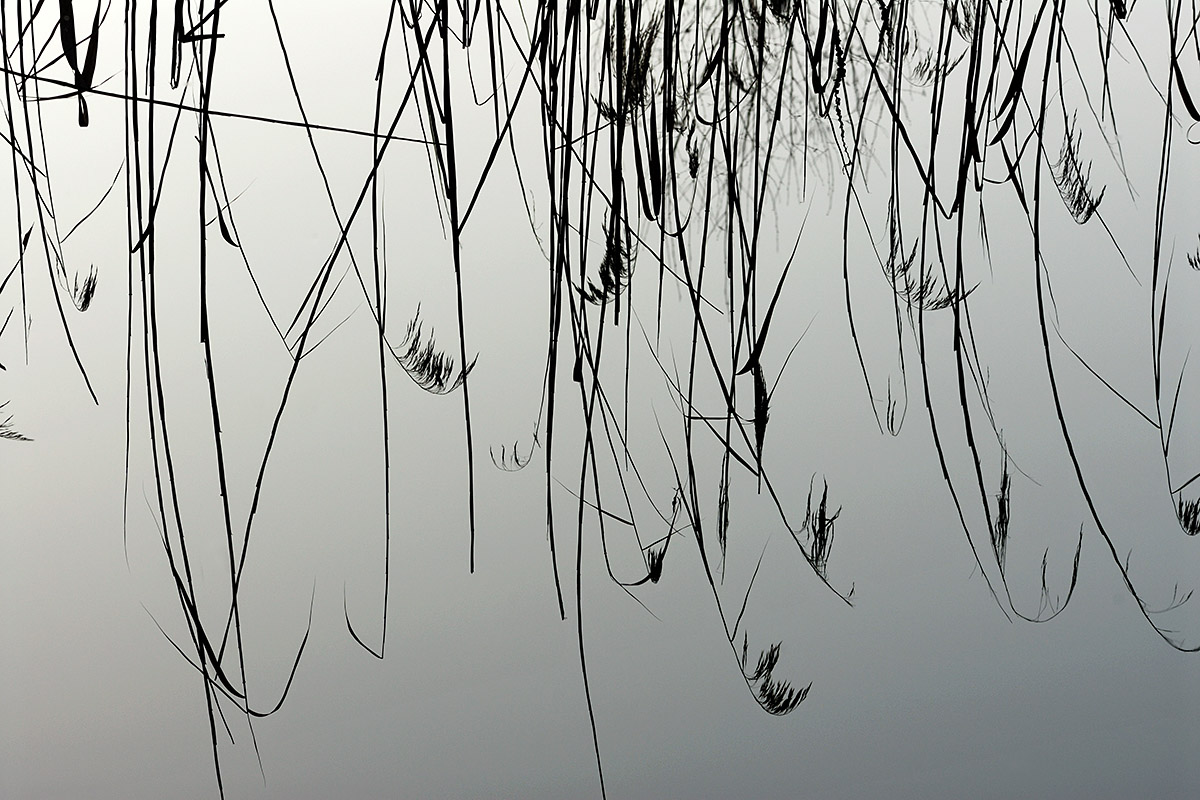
[683, 134]
[1003, 510]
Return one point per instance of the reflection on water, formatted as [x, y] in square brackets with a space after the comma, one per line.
[463, 314]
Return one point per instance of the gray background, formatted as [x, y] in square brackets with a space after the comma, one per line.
[922, 690]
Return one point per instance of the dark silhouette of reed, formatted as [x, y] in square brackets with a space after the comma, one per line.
[676, 143]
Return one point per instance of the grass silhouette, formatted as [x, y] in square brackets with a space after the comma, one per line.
[664, 143]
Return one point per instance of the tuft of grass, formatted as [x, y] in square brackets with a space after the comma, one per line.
[7, 431]
[510, 460]
[1188, 514]
[681, 130]
[616, 268]
[777, 697]
[819, 523]
[654, 560]
[82, 293]
[1073, 179]
[430, 368]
